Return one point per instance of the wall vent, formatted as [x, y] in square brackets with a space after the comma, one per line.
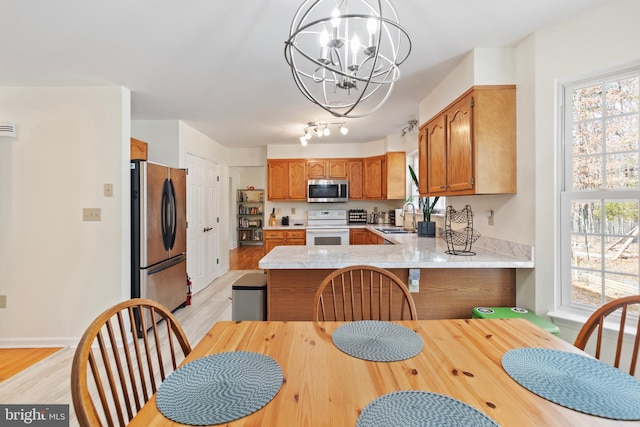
[8, 129]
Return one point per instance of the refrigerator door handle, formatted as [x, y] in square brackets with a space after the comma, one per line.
[174, 215]
[165, 215]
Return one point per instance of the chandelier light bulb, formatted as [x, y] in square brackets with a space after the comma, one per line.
[318, 132]
[335, 17]
[303, 140]
[343, 130]
[324, 41]
[326, 131]
[355, 46]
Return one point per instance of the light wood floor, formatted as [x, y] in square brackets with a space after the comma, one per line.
[47, 380]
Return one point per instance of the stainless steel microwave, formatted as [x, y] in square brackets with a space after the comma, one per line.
[327, 191]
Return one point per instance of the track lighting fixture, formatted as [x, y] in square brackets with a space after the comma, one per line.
[320, 129]
[411, 125]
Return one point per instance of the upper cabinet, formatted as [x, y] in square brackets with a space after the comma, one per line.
[470, 147]
[287, 179]
[385, 177]
[356, 179]
[139, 150]
[374, 177]
[328, 169]
[396, 175]
[377, 177]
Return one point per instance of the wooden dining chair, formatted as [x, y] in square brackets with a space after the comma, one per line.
[126, 360]
[363, 292]
[621, 307]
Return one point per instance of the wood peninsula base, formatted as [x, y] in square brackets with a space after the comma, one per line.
[445, 293]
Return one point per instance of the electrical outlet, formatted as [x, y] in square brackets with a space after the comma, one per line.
[414, 280]
[3, 301]
[293, 211]
[278, 211]
[108, 190]
[91, 214]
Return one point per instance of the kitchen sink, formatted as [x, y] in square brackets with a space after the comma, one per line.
[393, 230]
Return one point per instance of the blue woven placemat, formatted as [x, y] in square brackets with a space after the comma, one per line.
[421, 408]
[219, 388]
[377, 340]
[575, 381]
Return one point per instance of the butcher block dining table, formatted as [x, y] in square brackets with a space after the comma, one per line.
[324, 386]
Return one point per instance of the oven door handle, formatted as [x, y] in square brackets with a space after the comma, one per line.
[325, 231]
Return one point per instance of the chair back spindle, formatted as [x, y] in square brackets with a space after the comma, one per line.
[122, 359]
[363, 293]
[618, 311]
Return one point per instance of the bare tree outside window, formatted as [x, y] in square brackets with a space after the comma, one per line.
[601, 196]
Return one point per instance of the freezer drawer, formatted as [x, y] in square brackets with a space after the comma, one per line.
[165, 282]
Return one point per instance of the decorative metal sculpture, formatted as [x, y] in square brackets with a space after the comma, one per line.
[461, 237]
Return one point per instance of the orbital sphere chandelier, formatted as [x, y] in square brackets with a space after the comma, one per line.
[345, 54]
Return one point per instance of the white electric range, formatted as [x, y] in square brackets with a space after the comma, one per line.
[327, 227]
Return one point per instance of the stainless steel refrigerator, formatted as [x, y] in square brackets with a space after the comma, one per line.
[158, 233]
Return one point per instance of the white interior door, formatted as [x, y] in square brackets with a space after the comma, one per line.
[196, 219]
[202, 216]
[211, 235]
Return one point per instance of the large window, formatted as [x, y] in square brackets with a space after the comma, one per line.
[600, 196]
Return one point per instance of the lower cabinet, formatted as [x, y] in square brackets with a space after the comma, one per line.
[273, 238]
[362, 236]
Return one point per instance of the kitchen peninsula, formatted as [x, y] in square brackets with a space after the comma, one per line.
[449, 287]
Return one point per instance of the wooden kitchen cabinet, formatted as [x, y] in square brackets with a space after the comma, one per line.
[359, 236]
[470, 147]
[139, 150]
[385, 176]
[273, 238]
[356, 179]
[362, 236]
[377, 177]
[328, 169]
[287, 179]
[396, 175]
[374, 177]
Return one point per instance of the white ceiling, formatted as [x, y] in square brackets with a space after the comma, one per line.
[220, 67]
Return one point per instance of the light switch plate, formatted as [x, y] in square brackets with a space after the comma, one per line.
[91, 214]
[3, 301]
[108, 190]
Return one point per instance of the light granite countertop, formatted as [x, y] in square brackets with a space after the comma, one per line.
[407, 251]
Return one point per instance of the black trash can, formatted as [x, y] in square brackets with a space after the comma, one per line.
[249, 297]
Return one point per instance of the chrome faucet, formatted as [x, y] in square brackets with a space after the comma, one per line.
[415, 224]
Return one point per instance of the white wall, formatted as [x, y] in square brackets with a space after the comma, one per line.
[163, 136]
[482, 66]
[57, 271]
